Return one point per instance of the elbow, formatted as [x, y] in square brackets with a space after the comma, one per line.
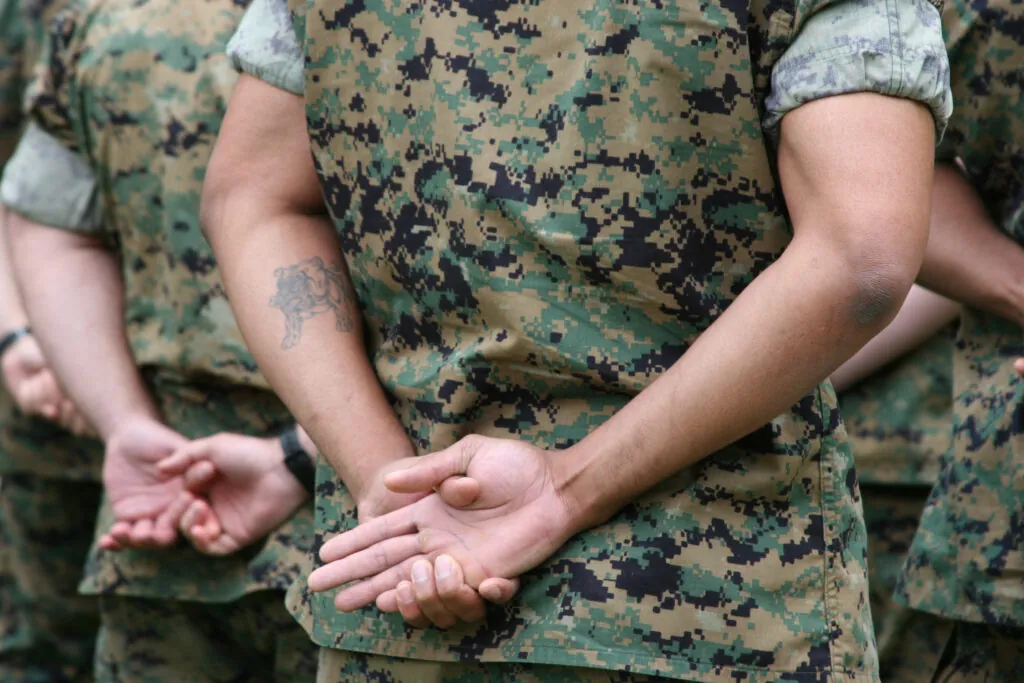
[216, 196]
[878, 293]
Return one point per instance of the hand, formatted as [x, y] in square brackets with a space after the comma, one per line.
[378, 499]
[147, 503]
[516, 522]
[1018, 365]
[35, 388]
[439, 596]
[248, 490]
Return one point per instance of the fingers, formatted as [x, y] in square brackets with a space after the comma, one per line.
[393, 524]
[200, 476]
[165, 529]
[180, 460]
[373, 561]
[424, 590]
[464, 603]
[405, 601]
[429, 471]
[459, 492]
[498, 590]
[366, 592]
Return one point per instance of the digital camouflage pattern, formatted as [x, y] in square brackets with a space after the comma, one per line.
[899, 420]
[47, 631]
[541, 206]
[48, 501]
[339, 665]
[139, 89]
[12, 46]
[253, 640]
[910, 643]
[968, 558]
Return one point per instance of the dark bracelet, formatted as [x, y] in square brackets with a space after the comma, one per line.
[297, 460]
[14, 335]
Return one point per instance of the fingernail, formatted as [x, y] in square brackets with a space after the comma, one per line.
[421, 572]
[443, 567]
[405, 593]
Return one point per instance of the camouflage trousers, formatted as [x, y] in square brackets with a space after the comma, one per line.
[340, 666]
[48, 630]
[251, 640]
[910, 643]
[981, 653]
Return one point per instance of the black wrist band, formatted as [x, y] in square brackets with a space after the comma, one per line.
[297, 460]
[14, 335]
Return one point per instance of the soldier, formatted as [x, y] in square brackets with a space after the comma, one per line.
[50, 488]
[896, 402]
[128, 304]
[966, 560]
[565, 236]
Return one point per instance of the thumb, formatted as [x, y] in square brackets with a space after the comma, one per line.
[497, 590]
[200, 476]
[184, 457]
[428, 472]
[459, 492]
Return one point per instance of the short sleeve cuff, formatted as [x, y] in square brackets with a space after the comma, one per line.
[48, 183]
[265, 46]
[890, 47]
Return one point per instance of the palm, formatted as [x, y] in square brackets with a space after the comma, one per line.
[249, 507]
[507, 530]
[135, 487]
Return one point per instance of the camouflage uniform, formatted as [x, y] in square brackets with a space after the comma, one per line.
[967, 560]
[541, 206]
[899, 423]
[49, 492]
[125, 115]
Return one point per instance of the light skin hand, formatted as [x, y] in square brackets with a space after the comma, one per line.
[35, 388]
[238, 490]
[146, 502]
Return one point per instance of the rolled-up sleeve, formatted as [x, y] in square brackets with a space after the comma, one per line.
[48, 183]
[265, 46]
[889, 47]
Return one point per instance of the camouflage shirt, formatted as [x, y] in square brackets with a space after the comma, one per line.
[29, 444]
[967, 559]
[541, 206]
[126, 109]
[12, 45]
[899, 420]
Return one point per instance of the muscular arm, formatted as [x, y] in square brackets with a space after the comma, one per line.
[74, 295]
[923, 314]
[968, 258]
[263, 214]
[855, 172]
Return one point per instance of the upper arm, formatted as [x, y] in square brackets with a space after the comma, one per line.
[262, 160]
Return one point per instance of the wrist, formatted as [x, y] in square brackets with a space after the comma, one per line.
[110, 425]
[583, 498]
[12, 336]
[298, 460]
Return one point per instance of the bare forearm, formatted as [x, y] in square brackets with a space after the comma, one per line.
[74, 294]
[12, 311]
[854, 170]
[923, 314]
[968, 258]
[729, 383]
[317, 363]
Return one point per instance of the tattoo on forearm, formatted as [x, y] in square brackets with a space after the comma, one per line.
[308, 289]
